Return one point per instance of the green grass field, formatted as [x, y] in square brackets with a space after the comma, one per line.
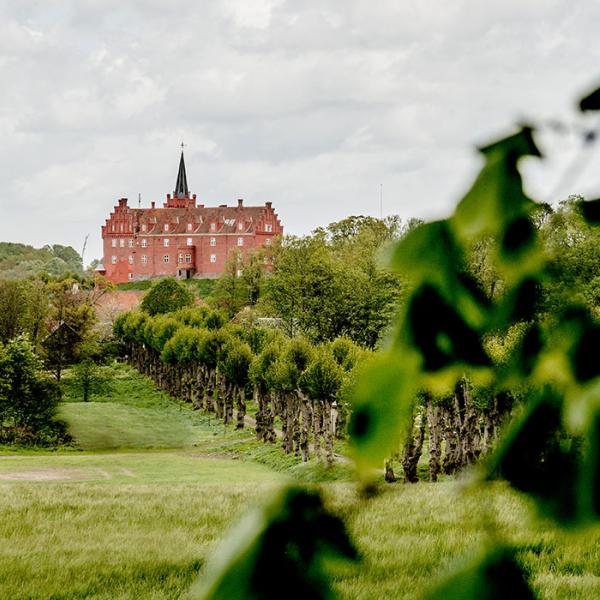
[137, 505]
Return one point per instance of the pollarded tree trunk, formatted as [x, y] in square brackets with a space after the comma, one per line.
[260, 416]
[227, 392]
[270, 435]
[413, 449]
[389, 472]
[317, 427]
[306, 420]
[451, 442]
[434, 420]
[209, 392]
[219, 399]
[240, 393]
[327, 431]
[297, 408]
[288, 436]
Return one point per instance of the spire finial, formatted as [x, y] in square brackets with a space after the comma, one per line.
[181, 187]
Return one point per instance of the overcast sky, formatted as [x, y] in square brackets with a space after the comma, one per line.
[308, 104]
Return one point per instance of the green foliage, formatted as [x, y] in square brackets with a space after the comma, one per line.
[330, 284]
[293, 537]
[71, 318]
[28, 400]
[166, 295]
[452, 327]
[89, 379]
[323, 377]
[234, 362]
[240, 283]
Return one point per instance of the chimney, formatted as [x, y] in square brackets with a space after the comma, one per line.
[122, 202]
[222, 205]
[153, 204]
[240, 202]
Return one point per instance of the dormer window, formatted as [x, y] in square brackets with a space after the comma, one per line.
[190, 227]
[240, 226]
[166, 227]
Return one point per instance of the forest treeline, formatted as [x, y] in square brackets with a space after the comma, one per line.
[20, 261]
[301, 375]
[331, 301]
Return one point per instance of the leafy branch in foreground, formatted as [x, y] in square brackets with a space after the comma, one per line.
[552, 451]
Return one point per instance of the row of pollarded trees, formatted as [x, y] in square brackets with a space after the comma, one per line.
[195, 356]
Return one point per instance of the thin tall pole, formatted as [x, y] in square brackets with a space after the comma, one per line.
[381, 201]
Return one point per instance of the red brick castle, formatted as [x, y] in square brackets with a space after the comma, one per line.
[182, 239]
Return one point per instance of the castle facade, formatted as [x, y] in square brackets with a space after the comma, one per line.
[182, 238]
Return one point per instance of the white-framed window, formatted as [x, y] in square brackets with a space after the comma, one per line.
[213, 226]
[240, 226]
[213, 258]
[130, 259]
[129, 275]
[188, 258]
[190, 227]
[121, 243]
[180, 258]
[113, 243]
[166, 227]
[166, 258]
[189, 242]
[113, 260]
[144, 227]
[144, 259]
[240, 241]
[130, 242]
[267, 241]
[166, 242]
[268, 227]
[213, 241]
[144, 243]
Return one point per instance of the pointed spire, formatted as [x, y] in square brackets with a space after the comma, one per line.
[181, 187]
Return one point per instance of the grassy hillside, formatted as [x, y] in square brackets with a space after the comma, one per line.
[151, 486]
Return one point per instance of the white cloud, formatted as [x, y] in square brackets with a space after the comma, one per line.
[308, 105]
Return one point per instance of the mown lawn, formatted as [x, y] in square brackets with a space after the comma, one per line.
[139, 522]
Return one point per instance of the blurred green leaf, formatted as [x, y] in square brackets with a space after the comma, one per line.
[539, 457]
[382, 403]
[591, 101]
[278, 551]
[497, 199]
[590, 210]
[440, 333]
[495, 576]
[430, 255]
